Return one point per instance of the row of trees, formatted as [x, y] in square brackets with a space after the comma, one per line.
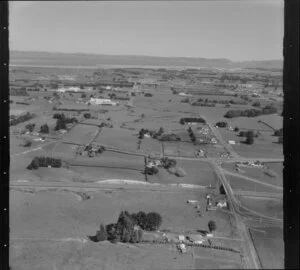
[44, 162]
[269, 109]
[192, 135]
[191, 120]
[19, 119]
[129, 227]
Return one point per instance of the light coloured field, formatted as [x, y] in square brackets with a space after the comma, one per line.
[37, 255]
[57, 214]
[198, 173]
[257, 173]
[269, 207]
[238, 183]
[118, 137]
[151, 145]
[269, 246]
[81, 134]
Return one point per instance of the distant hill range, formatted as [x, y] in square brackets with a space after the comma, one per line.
[20, 58]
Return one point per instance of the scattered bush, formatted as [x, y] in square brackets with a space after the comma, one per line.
[168, 163]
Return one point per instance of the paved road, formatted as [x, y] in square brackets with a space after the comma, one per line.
[251, 258]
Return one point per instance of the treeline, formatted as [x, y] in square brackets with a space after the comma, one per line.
[214, 101]
[191, 120]
[69, 110]
[269, 109]
[19, 119]
[129, 227]
[192, 135]
[18, 92]
[22, 103]
[44, 162]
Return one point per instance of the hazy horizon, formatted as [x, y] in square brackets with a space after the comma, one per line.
[234, 30]
[135, 55]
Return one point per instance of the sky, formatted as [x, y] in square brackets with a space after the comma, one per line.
[238, 30]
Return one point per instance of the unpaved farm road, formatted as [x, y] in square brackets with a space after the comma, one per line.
[106, 186]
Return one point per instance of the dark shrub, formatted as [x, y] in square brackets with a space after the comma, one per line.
[154, 221]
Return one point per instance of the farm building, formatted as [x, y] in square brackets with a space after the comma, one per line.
[231, 142]
[102, 101]
[72, 89]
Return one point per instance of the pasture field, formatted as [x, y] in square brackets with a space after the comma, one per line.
[274, 120]
[269, 245]
[184, 149]
[64, 215]
[64, 151]
[68, 254]
[241, 184]
[269, 207]
[258, 173]
[197, 173]
[215, 259]
[112, 159]
[277, 167]
[87, 174]
[153, 145]
[81, 134]
[118, 137]
[260, 149]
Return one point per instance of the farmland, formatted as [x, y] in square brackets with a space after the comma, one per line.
[108, 167]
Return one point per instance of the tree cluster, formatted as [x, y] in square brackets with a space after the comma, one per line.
[30, 127]
[168, 162]
[148, 95]
[154, 134]
[278, 132]
[192, 135]
[269, 109]
[212, 226]
[256, 104]
[22, 103]
[19, 119]
[44, 162]
[151, 170]
[87, 115]
[191, 120]
[222, 124]
[44, 129]
[62, 121]
[129, 227]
